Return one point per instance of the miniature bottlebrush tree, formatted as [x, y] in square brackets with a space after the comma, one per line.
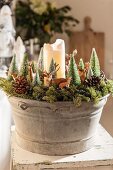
[24, 66]
[52, 68]
[13, 69]
[36, 79]
[94, 62]
[73, 72]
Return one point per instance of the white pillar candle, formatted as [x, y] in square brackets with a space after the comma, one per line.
[48, 55]
[59, 56]
[57, 52]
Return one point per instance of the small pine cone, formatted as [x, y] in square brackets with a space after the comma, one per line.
[93, 81]
[21, 85]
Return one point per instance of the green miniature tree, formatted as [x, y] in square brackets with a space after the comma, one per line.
[81, 64]
[94, 62]
[41, 60]
[24, 69]
[73, 72]
[36, 79]
[52, 66]
[13, 69]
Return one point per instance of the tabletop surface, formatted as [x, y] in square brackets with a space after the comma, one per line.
[101, 154]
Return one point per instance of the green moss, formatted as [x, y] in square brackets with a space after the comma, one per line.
[77, 101]
[77, 94]
[50, 99]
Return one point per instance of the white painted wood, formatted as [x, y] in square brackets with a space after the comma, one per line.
[5, 125]
[100, 157]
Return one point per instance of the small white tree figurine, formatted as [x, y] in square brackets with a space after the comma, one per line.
[19, 50]
[7, 33]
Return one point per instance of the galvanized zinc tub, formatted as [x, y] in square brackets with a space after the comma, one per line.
[55, 129]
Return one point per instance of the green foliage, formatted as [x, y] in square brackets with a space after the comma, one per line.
[109, 86]
[81, 64]
[77, 101]
[13, 69]
[77, 94]
[94, 62]
[39, 92]
[73, 72]
[45, 25]
[24, 69]
[50, 99]
[6, 86]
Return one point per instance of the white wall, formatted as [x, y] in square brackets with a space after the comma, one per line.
[101, 12]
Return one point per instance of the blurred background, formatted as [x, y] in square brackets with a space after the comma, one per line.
[82, 24]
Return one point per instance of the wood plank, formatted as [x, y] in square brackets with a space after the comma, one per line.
[87, 39]
[101, 155]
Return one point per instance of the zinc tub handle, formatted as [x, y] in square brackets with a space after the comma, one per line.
[25, 106]
[22, 105]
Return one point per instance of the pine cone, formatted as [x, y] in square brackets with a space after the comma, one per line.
[93, 81]
[21, 85]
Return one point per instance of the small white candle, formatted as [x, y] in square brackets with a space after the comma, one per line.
[59, 56]
[57, 52]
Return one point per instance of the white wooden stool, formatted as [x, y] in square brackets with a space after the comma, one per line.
[100, 157]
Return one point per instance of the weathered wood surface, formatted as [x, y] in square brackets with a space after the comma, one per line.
[100, 157]
[87, 39]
